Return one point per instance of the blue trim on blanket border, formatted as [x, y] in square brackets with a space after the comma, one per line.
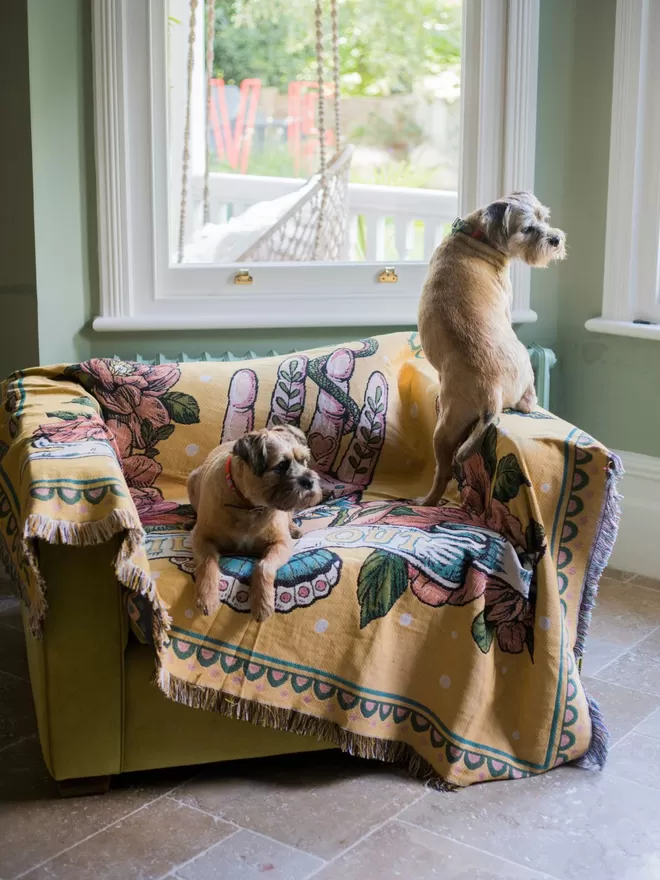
[567, 450]
[554, 727]
[368, 691]
[96, 480]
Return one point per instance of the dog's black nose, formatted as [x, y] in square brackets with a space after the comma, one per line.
[305, 482]
[554, 240]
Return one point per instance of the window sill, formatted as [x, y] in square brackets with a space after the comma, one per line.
[623, 328]
[401, 315]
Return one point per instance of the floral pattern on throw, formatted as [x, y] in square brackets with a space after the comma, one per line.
[140, 412]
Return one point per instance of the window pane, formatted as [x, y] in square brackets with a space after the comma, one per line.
[391, 177]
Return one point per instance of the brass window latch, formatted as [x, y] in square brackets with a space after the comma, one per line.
[388, 275]
[243, 277]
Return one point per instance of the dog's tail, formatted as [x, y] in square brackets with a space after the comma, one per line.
[486, 418]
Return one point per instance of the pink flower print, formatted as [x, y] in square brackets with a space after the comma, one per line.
[129, 392]
[510, 614]
[432, 593]
[141, 471]
[152, 507]
[76, 430]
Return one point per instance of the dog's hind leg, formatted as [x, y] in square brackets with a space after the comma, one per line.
[452, 426]
[207, 572]
[262, 585]
[527, 402]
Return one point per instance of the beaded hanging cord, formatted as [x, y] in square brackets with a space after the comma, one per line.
[186, 131]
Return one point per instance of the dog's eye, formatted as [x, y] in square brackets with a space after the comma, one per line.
[283, 466]
[527, 230]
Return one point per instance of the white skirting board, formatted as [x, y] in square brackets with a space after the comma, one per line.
[638, 545]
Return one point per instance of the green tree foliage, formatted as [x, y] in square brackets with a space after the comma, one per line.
[385, 45]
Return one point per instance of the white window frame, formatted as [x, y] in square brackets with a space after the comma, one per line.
[632, 241]
[140, 290]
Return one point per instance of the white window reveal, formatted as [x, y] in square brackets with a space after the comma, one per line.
[305, 185]
[631, 287]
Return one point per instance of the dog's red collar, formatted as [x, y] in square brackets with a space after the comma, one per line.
[232, 485]
[468, 229]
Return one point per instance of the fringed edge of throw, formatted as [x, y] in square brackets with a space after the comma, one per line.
[54, 531]
[608, 527]
[606, 533]
[293, 721]
[596, 754]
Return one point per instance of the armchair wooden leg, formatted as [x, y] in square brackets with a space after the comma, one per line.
[83, 787]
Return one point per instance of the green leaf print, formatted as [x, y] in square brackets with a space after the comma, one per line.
[182, 408]
[382, 580]
[489, 450]
[67, 416]
[509, 479]
[83, 401]
[482, 633]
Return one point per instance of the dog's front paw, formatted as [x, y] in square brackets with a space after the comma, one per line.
[295, 532]
[208, 604]
[262, 607]
[262, 593]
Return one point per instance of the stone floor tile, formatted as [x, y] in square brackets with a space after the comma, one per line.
[644, 581]
[636, 757]
[618, 575]
[17, 718]
[13, 656]
[7, 590]
[401, 850]
[622, 707]
[651, 644]
[320, 803]
[10, 613]
[624, 613]
[635, 669]
[249, 856]
[569, 823]
[36, 823]
[651, 725]
[598, 654]
[145, 845]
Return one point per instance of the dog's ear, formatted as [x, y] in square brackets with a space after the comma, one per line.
[493, 219]
[290, 429]
[253, 449]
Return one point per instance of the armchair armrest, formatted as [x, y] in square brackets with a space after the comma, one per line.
[61, 482]
[70, 535]
[551, 489]
[77, 667]
[542, 483]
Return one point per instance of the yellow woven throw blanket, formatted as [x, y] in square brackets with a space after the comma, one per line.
[446, 637]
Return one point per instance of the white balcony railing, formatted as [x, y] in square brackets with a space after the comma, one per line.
[386, 222]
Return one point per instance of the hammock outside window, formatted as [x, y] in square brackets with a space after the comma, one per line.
[310, 224]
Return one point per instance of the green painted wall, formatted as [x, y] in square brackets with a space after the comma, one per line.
[63, 168]
[608, 385]
[18, 295]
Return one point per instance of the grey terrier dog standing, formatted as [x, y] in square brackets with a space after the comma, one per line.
[465, 323]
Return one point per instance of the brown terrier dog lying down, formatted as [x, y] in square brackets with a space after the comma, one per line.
[244, 495]
[465, 323]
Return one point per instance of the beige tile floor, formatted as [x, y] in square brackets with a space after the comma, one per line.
[333, 817]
